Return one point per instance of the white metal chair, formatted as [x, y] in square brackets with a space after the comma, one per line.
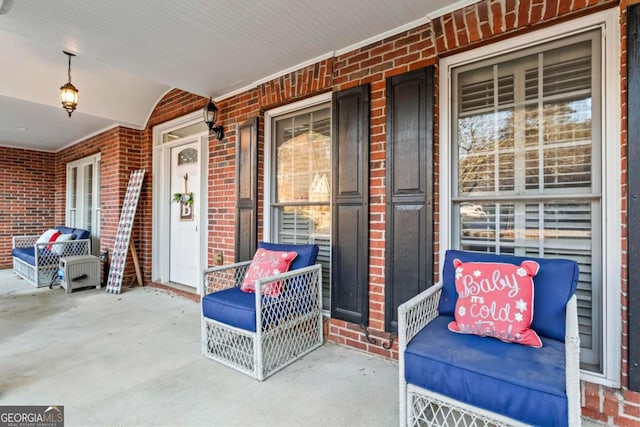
[256, 334]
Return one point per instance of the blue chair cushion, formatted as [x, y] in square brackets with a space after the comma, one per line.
[81, 234]
[554, 285]
[524, 383]
[65, 230]
[307, 254]
[78, 233]
[27, 255]
[231, 307]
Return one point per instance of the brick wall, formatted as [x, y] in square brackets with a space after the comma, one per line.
[27, 203]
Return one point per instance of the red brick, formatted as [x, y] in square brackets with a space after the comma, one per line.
[498, 17]
[461, 35]
[523, 12]
[631, 396]
[485, 24]
[472, 26]
[611, 404]
[536, 13]
[579, 4]
[564, 7]
[631, 410]
[395, 54]
[510, 21]
[406, 59]
[359, 57]
[421, 46]
[438, 34]
[406, 41]
[594, 415]
[550, 9]
[626, 422]
[449, 32]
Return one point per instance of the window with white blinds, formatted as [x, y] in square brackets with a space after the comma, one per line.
[527, 164]
[300, 207]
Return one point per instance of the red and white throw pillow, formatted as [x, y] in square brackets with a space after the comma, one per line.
[496, 300]
[59, 249]
[48, 236]
[267, 263]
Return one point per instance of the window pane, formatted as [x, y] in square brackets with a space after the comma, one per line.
[526, 142]
[303, 158]
[487, 225]
[567, 144]
[74, 188]
[485, 152]
[303, 184]
[188, 155]
[193, 129]
[309, 224]
[88, 197]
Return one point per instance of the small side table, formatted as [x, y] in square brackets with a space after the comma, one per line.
[79, 272]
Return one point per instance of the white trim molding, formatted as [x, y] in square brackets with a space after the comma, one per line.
[608, 22]
[268, 151]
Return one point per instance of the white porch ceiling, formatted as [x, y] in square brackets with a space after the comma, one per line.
[131, 52]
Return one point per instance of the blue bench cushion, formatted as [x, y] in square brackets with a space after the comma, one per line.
[78, 233]
[307, 254]
[231, 307]
[524, 383]
[554, 285]
[27, 255]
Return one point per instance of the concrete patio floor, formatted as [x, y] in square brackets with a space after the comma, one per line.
[134, 360]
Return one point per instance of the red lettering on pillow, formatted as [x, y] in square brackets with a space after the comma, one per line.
[267, 263]
[496, 300]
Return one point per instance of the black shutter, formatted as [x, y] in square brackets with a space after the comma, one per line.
[350, 206]
[409, 190]
[633, 170]
[246, 189]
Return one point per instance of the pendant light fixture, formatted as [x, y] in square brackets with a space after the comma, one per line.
[68, 92]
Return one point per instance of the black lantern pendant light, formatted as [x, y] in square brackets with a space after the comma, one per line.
[68, 92]
[210, 114]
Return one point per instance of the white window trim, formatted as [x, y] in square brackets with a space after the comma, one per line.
[608, 22]
[268, 152]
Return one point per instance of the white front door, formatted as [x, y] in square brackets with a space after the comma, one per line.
[184, 240]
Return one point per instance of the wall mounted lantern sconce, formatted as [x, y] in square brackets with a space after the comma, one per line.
[210, 113]
[68, 92]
